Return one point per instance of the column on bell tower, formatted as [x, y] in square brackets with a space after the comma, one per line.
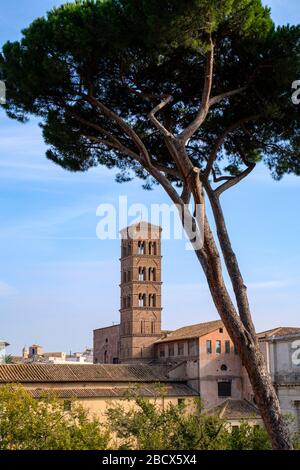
[140, 311]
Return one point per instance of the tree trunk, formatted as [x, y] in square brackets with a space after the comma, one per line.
[253, 361]
[242, 333]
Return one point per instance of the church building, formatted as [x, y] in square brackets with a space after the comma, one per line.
[203, 354]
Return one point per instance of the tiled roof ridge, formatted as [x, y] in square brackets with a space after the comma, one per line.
[37, 372]
[175, 334]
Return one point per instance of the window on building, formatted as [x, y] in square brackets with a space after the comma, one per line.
[220, 330]
[224, 389]
[152, 248]
[143, 326]
[227, 347]
[142, 300]
[181, 348]
[152, 274]
[153, 327]
[223, 367]
[142, 274]
[115, 360]
[105, 357]
[128, 301]
[208, 347]
[141, 248]
[162, 351]
[192, 347]
[129, 249]
[128, 276]
[171, 350]
[152, 300]
[124, 276]
[218, 347]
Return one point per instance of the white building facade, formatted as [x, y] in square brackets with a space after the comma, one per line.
[282, 355]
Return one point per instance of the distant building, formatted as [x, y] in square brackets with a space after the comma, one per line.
[281, 348]
[3, 346]
[36, 354]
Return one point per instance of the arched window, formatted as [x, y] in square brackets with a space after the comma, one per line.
[105, 357]
[142, 274]
[152, 248]
[143, 329]
[128, 301]
[142, 300]
[124, 276]
[223, 368]
[128, 276]
[153, 327]
[141, 248]
[152, 274]
[152, 300]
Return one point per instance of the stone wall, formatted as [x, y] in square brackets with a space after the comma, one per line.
[107, 345]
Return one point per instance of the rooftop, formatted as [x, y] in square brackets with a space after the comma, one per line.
[235, 409]
[192, 331]
[144, 389]
[47, 373]
[279, 331]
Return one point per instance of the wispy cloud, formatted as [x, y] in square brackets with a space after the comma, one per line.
[6, 290]
[46, 224]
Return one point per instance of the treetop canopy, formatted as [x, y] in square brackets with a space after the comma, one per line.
[130, 54]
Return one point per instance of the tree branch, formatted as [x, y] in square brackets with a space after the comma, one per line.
[233, 181]
[228, 94]
[221, 139]
[155, 121]
[202, 113]
[121, 123]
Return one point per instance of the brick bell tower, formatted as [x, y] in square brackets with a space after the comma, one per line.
[140, 312]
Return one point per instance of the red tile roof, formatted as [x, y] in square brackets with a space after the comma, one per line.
[235, 409]
[43, 373]
[144, 389]
[279, 331]
[192, 331]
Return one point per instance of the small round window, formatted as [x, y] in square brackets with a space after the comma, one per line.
[223, 367]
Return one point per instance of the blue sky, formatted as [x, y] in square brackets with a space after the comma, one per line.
[58, 281]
